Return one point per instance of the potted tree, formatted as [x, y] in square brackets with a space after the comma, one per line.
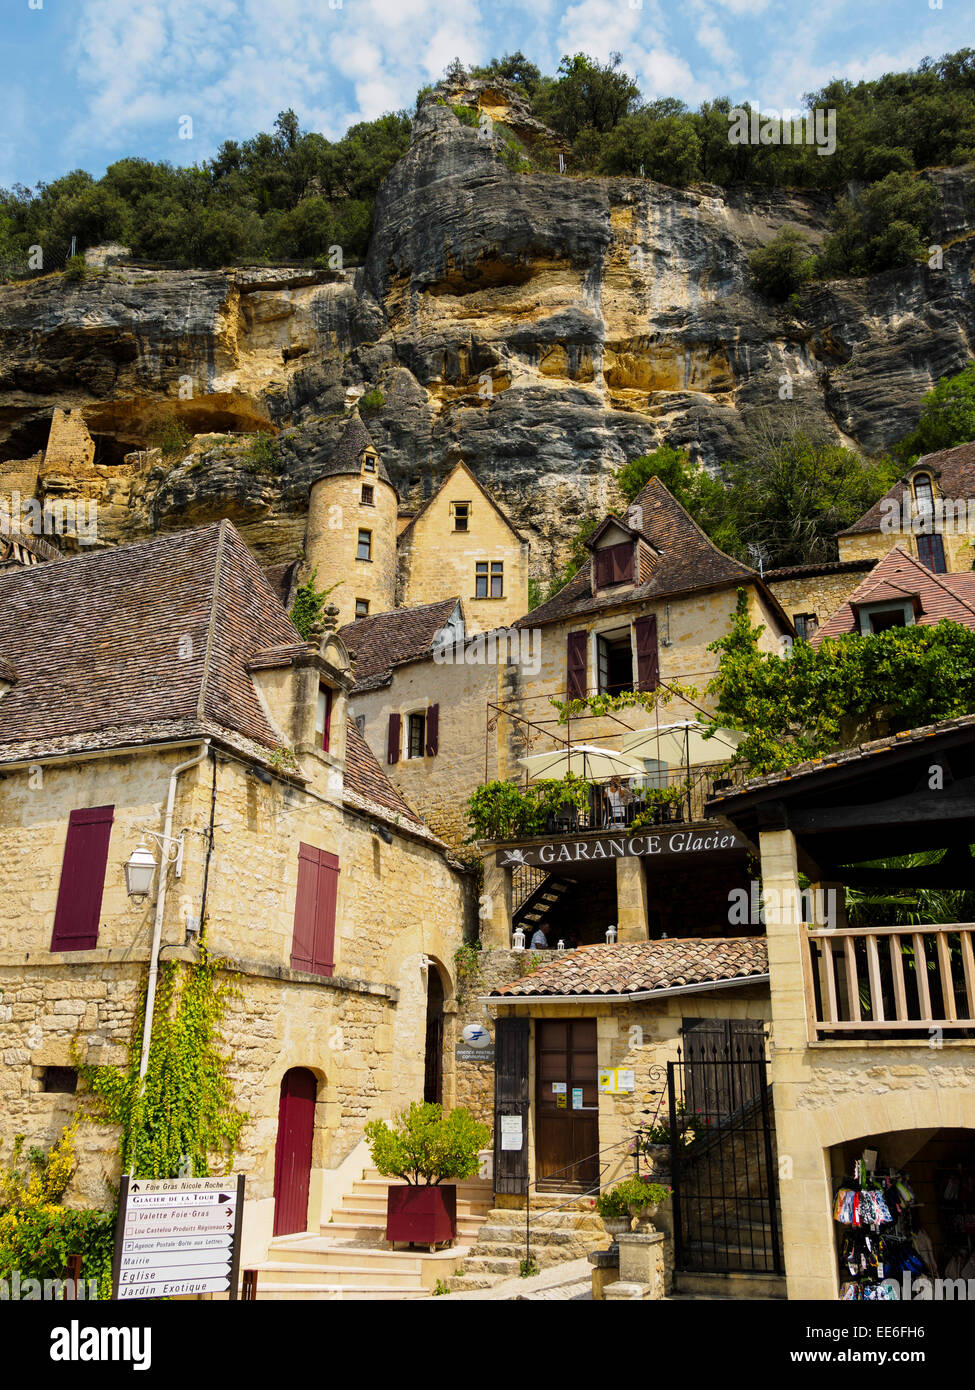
[634, 1197]
[426, 1148]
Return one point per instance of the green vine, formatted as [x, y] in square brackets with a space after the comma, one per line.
[598, 705]
[185, 1108]
[467, 963]
[309, 605]
[500, 810]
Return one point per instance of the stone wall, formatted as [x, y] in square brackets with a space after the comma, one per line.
[821, 594]
[336, 513]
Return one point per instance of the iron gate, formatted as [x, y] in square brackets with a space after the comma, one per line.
[722, 1153]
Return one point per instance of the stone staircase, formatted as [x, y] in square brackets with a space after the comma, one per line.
[563, 1228]
[349, 1258]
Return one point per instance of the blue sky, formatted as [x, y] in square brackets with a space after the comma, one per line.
[85, 82]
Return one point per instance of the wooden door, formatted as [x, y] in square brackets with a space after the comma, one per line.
[566, 1105]
[723, 1059]
[292, 1155]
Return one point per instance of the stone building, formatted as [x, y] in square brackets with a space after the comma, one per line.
[158, 693]
[902, 592]
[873, 1026]
[460, 541]
[929, 512]
[810, 593]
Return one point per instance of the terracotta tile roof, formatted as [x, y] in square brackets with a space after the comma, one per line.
[900, 576]
[825, 567]
[153, 635]
[385, 640]
[366, 779]
[344, 458]
[688, 560]
[954, 470]
[645, 965]
[724, 803]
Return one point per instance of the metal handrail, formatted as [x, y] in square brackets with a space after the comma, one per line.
[597, 1187]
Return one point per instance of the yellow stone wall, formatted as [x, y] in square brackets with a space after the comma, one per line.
[69, 445]
[821, 594]
[690, 622]
[335, 514]
[436, 561]
[436, 787]
[827, 1093]
[401, 911]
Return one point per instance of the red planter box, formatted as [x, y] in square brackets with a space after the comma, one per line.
[421, 1215]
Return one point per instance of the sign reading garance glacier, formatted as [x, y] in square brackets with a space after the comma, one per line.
[570, 851]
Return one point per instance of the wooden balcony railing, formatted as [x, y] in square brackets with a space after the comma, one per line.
[893, 980]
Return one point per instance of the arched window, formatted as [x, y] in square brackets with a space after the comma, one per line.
[923, 492]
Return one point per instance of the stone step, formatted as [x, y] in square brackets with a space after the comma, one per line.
[348, 1255]
[369, 1199]
[474, 1193]
[544, 1255]
[281, 1272]
[465, 1283]
[506, 1267]
[501, 1235]
[374, 1218]
[739, 1284]
[544, 1220]
[341, 1293]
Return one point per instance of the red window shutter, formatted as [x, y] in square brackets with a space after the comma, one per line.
[82, 879]
[647, 657]
[327, 731]
[576, 665]
[306, 901]
[392, 743]
[433, 730]
[313, 943]
[323, 962]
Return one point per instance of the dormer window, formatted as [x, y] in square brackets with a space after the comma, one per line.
[369, 463]
[613, 564]
[923, 493]
[323, 718]
[880, 617]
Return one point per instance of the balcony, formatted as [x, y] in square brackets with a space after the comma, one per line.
[890, 982]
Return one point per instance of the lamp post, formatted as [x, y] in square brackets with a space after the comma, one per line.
[518, 940]
[611, 935]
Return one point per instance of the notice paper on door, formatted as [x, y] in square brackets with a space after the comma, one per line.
[576, 1097]
[558, 1088]
[511, 1132]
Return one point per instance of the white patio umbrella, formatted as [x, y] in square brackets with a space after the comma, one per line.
[582, 759]
[682, 743]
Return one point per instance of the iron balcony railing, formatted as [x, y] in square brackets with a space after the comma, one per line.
[893, 980]
[615, 803]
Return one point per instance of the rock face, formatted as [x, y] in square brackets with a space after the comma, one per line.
[543, 328]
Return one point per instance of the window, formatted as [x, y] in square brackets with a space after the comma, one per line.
[461, 512]
[323, 717]
[60, 1079]
[364, 546]
[313, 943]
[805, 625]
[360, 723]
[369, 463]
[880, 617]
[362, 608]
[931, 552]
[614, 659]
[82, 879]
[368, 495]
[489, 579]
[924, 493]
[417, 735]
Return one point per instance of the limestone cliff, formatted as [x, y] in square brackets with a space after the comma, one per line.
[543, 328]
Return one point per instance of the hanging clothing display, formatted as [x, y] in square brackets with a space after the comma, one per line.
[881, 1243]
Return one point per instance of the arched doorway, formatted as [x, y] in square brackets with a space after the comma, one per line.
[433, 1055]
[292, 1154]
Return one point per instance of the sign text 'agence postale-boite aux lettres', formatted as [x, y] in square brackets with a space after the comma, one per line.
[703, 840]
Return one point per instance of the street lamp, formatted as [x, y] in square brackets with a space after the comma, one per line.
[518, 940]
[611, 935]
[139, 869]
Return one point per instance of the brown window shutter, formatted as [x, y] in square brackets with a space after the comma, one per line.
[82, 879]
[433, 730]
[603, 567]
[622, 563]
[323, 960]
[577, 645]
[647, 658]
[392, 743]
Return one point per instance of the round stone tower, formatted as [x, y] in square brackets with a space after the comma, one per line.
[351, 530]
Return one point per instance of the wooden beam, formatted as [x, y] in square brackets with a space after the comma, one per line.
[949, 806]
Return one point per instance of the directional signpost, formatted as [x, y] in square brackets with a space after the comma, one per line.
[178, 1236]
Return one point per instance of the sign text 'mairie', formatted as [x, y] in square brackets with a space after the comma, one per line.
[569, 851]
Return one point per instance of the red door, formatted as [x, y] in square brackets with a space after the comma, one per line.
[292, 1156]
